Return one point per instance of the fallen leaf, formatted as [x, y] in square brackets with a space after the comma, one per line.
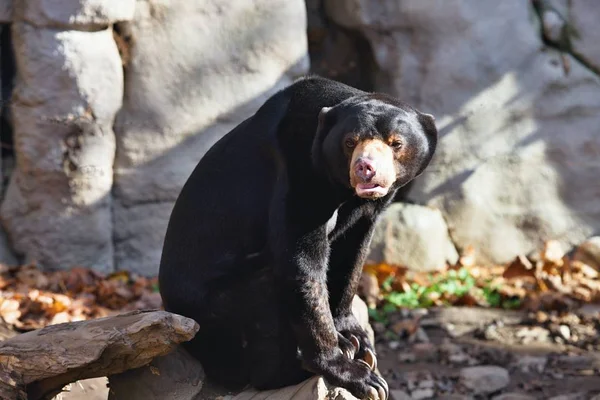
[520, 268]
[553, 252]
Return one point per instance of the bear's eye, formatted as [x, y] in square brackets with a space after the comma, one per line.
[396, 144]
[350, 142]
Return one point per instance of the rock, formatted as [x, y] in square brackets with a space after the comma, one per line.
[531, 364]
[425, 352]
[179, 376]
[88, 389]
[196, 70]
[588, 252]
[176, 376]
[513, 396]
[413, 236]
[505, 176]
[69, 86]
[583, 15]
[565, 332]
[572, 396]
[454, 354]
[533, 334]
[6, 11]
[82, 14]
[315, 388]
[553, 25]
[45, 360]
[422, 394]
[399, 395]
[484, 379]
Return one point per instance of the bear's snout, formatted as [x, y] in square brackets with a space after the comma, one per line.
[365, 169]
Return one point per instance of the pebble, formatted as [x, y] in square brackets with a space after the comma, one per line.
[425, 351]
[529, 364]
[421, 394]
[565, 331]
[572, 396]
[484, 379]
[407, 357]
[513, 396]
[394, 344]
[399, 395]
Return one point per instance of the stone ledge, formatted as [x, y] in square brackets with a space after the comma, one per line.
[77, 15]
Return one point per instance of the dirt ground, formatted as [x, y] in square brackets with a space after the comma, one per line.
[473, 353]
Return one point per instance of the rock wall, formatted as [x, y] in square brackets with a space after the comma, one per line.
[117, 100]
[92, 187]
[69, 87]
[196, 70]
[519, 114]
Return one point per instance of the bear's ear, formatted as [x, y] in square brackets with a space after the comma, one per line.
[322, 114]
[430, 116]
[322, 128]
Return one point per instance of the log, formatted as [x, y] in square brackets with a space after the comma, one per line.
[41, 362]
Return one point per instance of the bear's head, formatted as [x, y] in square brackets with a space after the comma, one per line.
[374, 143]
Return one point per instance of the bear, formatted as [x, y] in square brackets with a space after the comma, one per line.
[266, 241]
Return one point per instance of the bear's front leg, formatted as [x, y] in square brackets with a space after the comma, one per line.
[300, 254]
[348, 252]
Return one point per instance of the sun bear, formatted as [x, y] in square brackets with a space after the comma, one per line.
[267, 239]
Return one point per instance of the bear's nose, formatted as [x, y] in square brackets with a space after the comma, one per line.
[364, 169]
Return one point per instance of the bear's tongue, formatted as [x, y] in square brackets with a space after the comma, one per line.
[369, 188]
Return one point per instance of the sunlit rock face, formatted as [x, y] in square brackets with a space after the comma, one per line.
[519, 153]
[197, 69]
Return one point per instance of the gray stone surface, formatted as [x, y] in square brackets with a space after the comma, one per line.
[582, 16]
[412, 236]
[519, 151]
[513, 396]
[5, 11]
[57, 208]
[74, 14]
[484, 379]
[197, 69]
[175, 376]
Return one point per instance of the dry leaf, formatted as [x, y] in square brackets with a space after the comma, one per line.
[520, 268]
[467, 259]
[369, 289]
[553, 253]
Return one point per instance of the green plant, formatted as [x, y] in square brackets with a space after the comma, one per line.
[444, 289]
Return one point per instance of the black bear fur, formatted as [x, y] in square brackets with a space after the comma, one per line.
[267, 239]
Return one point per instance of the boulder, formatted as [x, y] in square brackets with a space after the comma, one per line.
[196, 69]
[43, 361]
[81, 14]
[178, 376]
[484, 379]
[69, 87]
[5, 11]
[175, 376]
[412, 236]
[577, 20]
[505, 175]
